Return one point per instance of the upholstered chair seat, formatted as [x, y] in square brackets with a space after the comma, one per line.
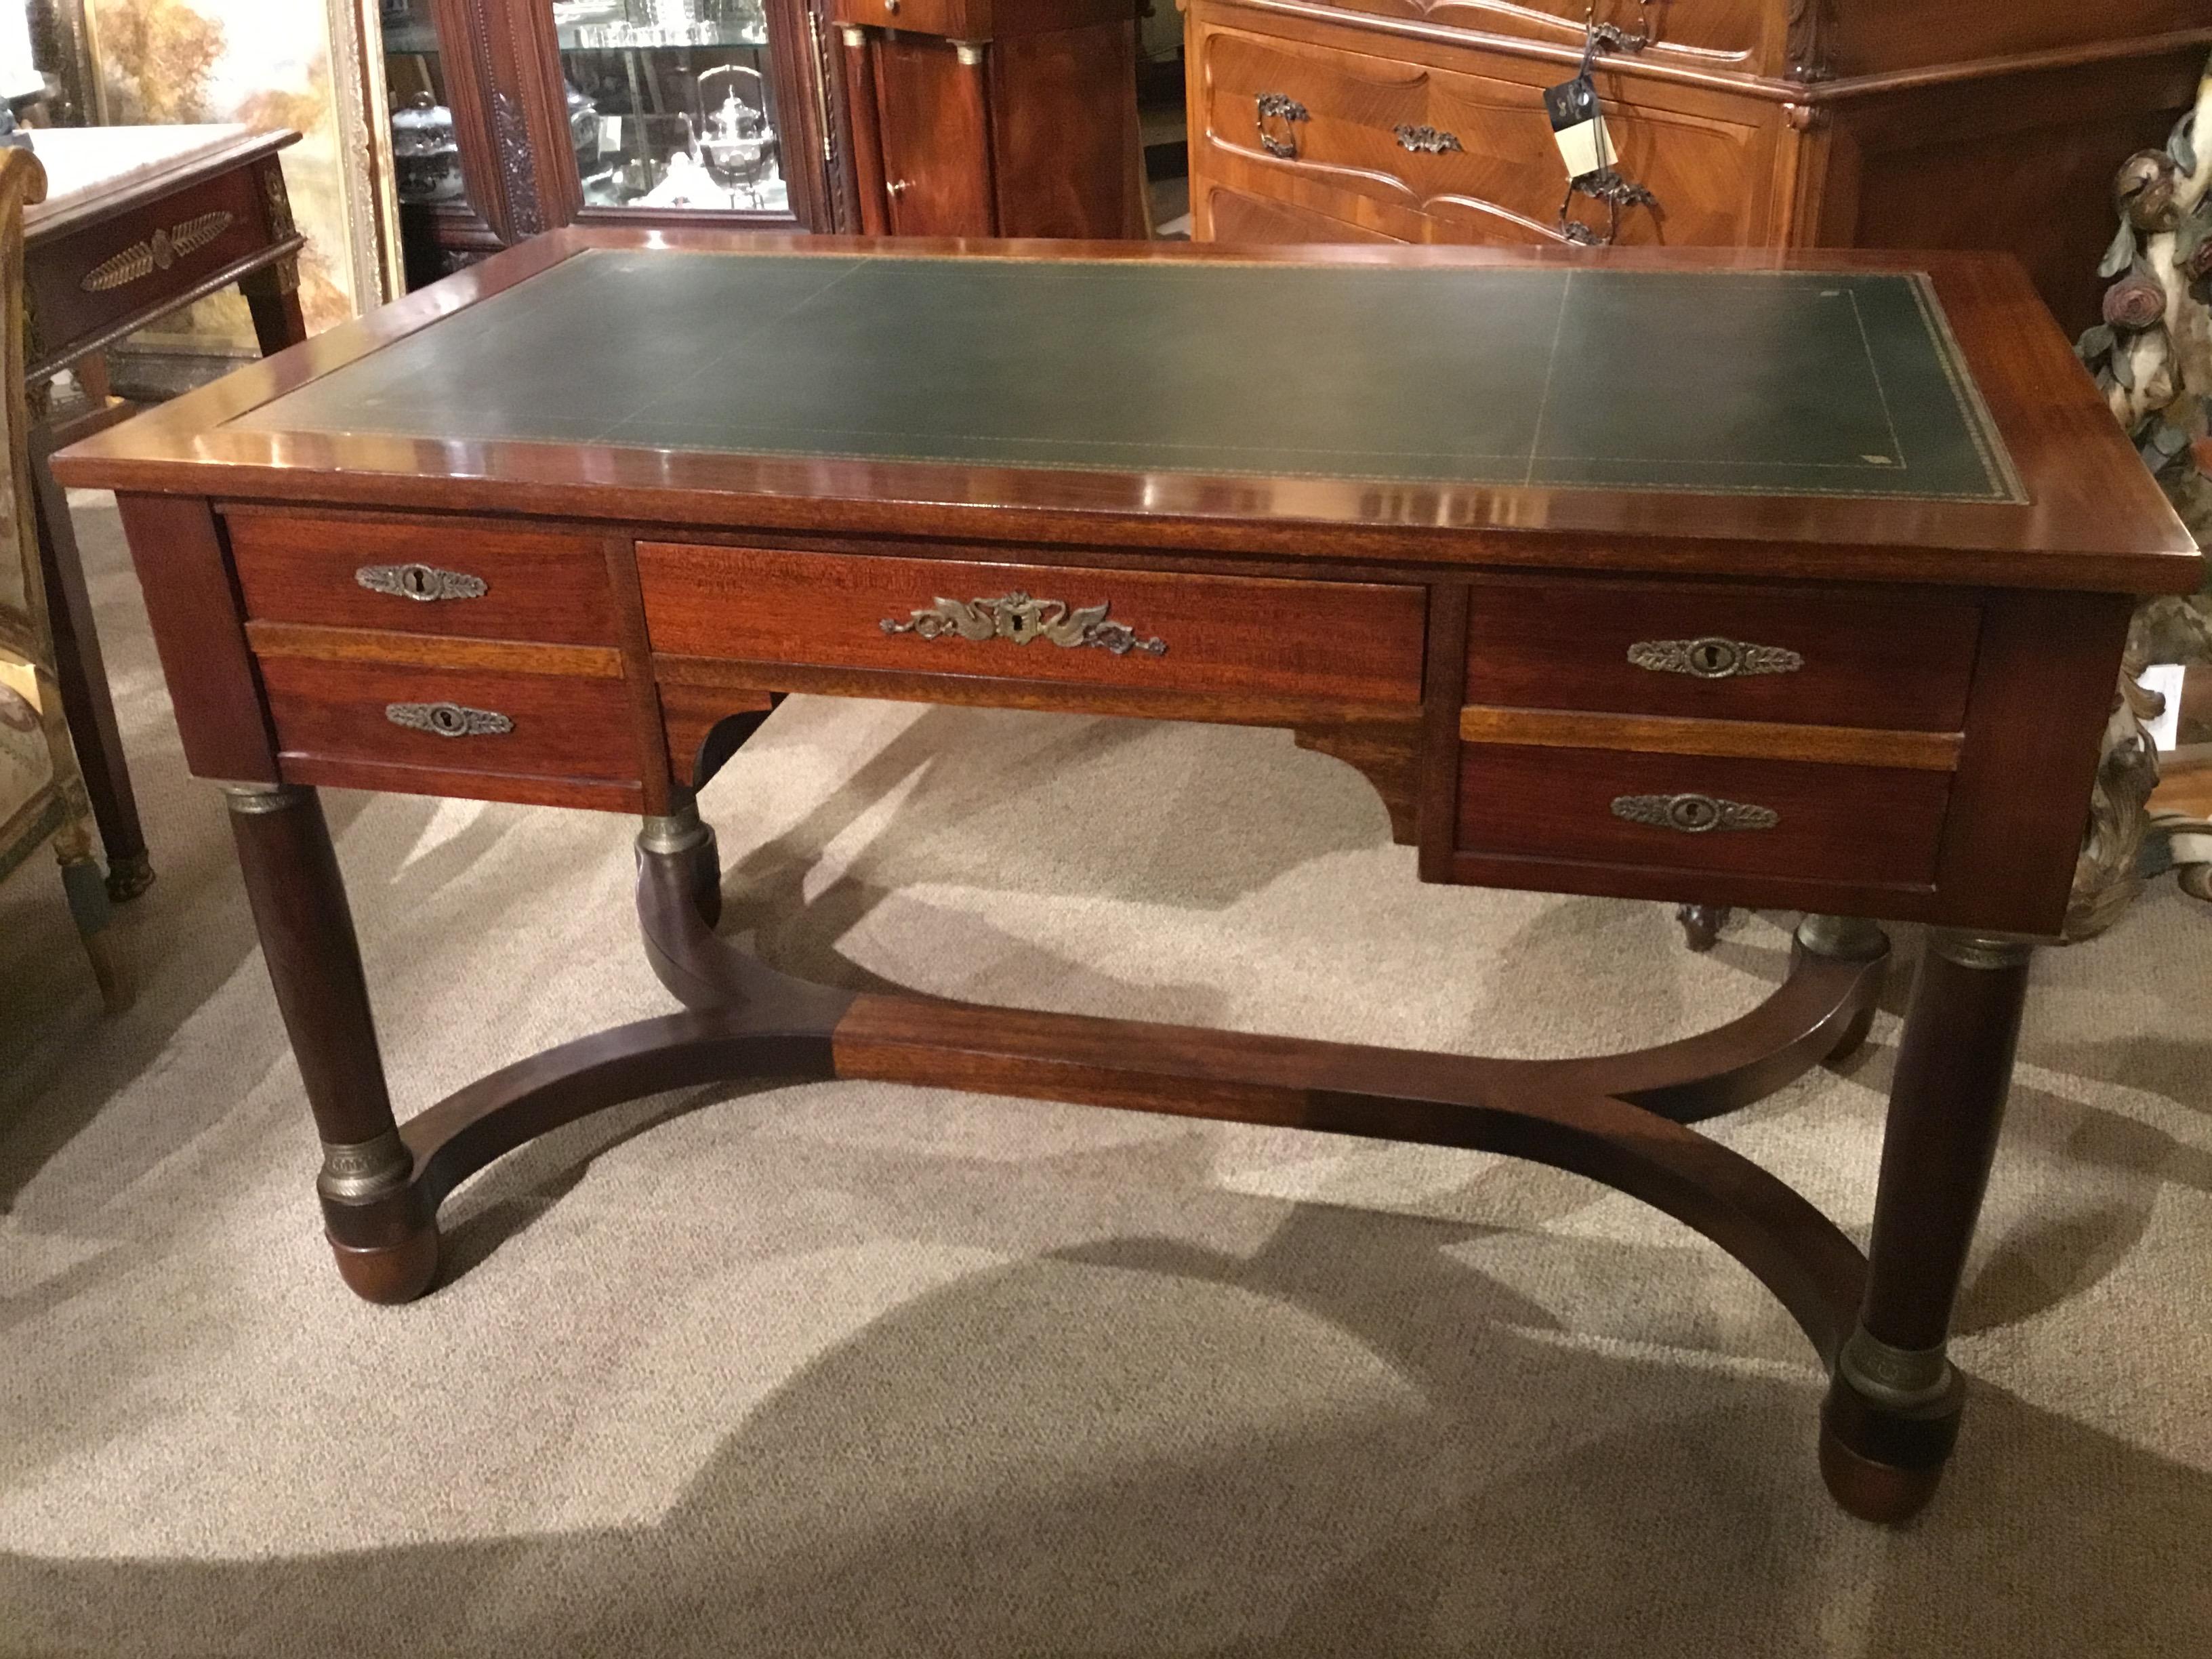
[42, 799]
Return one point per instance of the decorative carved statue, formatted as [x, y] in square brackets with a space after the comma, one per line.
[2152, 356]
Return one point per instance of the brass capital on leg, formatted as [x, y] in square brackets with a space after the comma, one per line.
[679, 831]
[247, 799]
[1847, 938]
[1986, 951]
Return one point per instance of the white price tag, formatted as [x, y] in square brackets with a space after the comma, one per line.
[610, 134]
[1578, 127]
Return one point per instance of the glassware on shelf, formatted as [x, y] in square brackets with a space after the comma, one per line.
[722, 154]
[622, 25]
[426, 156]
[736, 144]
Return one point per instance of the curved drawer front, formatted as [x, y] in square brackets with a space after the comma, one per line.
[423, 575]
[1236, 215]
[1890, 661]
[1340, 641]
[1746, 36]
[1876, 826]
[1470, 149]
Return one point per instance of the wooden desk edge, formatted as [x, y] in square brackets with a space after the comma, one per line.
[2098, 522]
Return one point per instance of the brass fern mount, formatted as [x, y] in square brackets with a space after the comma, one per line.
[425, 582]
[1713, 657]
[1693, 815]
[157, 252]
[1022, 620]
[449, 719]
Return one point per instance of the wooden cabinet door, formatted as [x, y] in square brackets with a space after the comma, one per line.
[936, 139]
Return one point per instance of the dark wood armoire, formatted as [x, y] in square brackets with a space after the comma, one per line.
[993, 117]
[1011, 117]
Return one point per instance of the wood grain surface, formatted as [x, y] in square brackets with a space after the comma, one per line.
[1353, 642]
[1873, 658]
[302, 568]
[562, 728]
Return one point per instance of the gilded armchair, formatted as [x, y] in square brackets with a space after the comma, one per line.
[42, 797]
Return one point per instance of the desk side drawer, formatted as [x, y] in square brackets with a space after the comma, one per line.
[1885, 661]
[1343, 641]
[1875, 826]
[423, 575]
[452, 720]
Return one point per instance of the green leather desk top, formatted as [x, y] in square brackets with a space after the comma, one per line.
[1766, 383]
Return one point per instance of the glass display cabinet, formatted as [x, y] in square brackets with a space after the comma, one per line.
[438, 229]
[671, 103]
[510, 117]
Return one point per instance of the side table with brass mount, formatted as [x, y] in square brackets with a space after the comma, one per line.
[138, 222]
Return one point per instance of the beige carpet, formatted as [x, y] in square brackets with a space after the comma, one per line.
[862, 1370]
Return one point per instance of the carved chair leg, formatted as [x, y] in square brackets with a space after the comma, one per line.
[1892, 1415]
[385, 1244]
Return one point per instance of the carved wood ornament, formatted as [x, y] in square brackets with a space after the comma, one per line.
[2152, 357]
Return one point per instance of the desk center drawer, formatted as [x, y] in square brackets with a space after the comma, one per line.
[1345, 642]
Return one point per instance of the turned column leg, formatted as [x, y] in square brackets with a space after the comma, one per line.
[1892, 1415]
[385, 1245]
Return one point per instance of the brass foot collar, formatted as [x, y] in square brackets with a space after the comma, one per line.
[356, 1172]
[1901, 1379]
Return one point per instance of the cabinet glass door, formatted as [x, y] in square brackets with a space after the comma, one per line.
[426, 156]
[671, 104]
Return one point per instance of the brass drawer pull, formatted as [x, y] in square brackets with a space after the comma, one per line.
[1432, 141]
[449, 719]
[1280, 106]
[421, 582]
[1018, 618]
[1713, 657]
[1693, 815]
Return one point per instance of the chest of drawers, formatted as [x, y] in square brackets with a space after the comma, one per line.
[1753, 123]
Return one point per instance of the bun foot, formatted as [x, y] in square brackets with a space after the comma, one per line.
[1882, 1463]
[390, 1274]
[1880, 1493]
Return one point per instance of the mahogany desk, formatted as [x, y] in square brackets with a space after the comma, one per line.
[1693, 576]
